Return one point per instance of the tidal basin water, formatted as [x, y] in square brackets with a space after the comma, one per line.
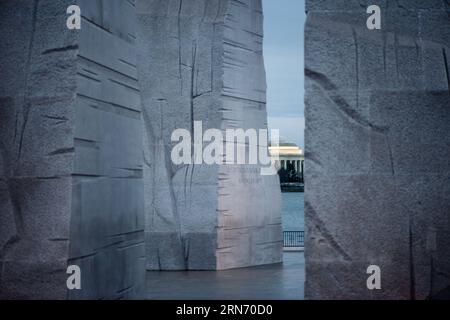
[293, 211]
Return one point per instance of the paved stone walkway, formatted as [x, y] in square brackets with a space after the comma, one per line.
[278, 282]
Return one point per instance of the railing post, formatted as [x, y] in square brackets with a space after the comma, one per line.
[293, 239]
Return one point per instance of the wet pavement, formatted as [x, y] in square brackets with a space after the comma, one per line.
[275, 282]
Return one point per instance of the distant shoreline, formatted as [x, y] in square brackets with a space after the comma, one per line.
[292, 187]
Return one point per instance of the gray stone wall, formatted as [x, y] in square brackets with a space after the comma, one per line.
[202, 61]
[107, 225]
[249, 204]
[72, 133]
[37, 95]
[377, 143]
[71, 151]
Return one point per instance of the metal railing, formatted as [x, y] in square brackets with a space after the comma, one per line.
[292, 239]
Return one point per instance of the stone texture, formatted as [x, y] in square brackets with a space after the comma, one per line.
[72, 178]
[377, 141]
[202, 61]
[36, 148]
[71, 151]
[107, 227]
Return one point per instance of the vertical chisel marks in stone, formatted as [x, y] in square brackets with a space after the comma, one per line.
[205, 9]
[185, 185]
[192, 94]
[167, 168]
[173, 200]
[211, 69]
[355, 39]
[193, 81]
[5, 248]
[418, 50]
[179, 47]
[215, 23]
[311, 214]
[391, 156]
[9, 244]
[6, 161]
[148, 130]
[385, 38]
[186, 251]
[444, 53]
[27, 106]
[396, 44]
[12, 191]
[219, 8]
[159, 258]
[419, 44]
[15, 128]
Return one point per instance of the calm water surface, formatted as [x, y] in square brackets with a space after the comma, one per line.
[293, 211]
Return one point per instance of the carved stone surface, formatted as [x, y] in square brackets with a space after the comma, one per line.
[202, 61]
[72, 169]
[107, 226]
[36, 123]
[71, 188]
[377, 142]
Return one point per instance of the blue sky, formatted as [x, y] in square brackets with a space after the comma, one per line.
[284, 55]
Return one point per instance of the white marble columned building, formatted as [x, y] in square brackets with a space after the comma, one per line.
[288, 155]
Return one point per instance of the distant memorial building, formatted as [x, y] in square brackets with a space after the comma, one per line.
[289, 161]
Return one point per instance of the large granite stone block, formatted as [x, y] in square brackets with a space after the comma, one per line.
[72, 171]
[71, 151]
[377, 141]
[202, 61]
[37, 92]
[107, 227]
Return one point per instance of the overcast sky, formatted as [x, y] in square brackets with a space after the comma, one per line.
[284, 54]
